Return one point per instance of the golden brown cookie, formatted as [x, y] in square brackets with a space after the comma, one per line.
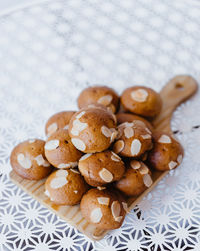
[101, 95]
[28, 160]
[60, 151]
[92, 129]
[101, 168]
[166, 154]
[128, 117]
[58, 121]
[65, 187]
[103, 208]
[136, 179]
[142, 101]
[133, 140]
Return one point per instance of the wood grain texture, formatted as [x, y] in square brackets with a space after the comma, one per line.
[174, 93]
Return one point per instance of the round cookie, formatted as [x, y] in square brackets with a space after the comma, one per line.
[133, 140]
[60, 151]
[104, 208]
[136, 179]
[65, 187]
[101, 95]
[58, 121]
[101, 168]
[142, 101]
[128, 117]
[28, 160]
[166, 154]
[92, 129]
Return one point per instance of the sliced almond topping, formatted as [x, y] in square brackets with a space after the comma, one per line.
[66, 127]
[106, 175]
[113, 135]
[118, 146]
[80, 115]
[47, 193]
[115, 209]
[135, 164]
[41, 161]
[125, 206]
[180, 158]
[103, 200]
[119, 218]
[172, 164]
[96, 215]
[146, 136]
[115, 157]
[75, 171]
[143, 169]
[78, 127]
[105, 100]
[106, 131]
[51, 129]
[147, 130]
[76, 191]
[79, 144]
[147, 180]
[58, 182]
[62, 173]
[101, 188]
[139, 95]
[25, 162]
[135, 147]
[31, 141]
[85, 156]
[68, 165]
[127, 124]
[128, 132]
[63, 165]
[165, 139]
[52, 144]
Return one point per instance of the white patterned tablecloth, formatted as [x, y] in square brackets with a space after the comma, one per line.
[49, 52]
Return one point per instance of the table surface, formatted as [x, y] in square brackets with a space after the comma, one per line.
[48, 53]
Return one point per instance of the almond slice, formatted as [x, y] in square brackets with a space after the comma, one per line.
[25, 162]
[115, 157]
[96, 215]
[47, 193]
[52, 144]
[79, 144]
[143, 169]
[115, 209]
[62, 173]
[58, 182]
[31, 141]
[105, 100]
[125, 206]
[147, 180]
[41, 161]
[51, 129]
[85, 156]
[80, 115]
[75, 171]
[135, 147]
[101, 188]
[119, 218]
[165, 139]
[139, 95]
[135, 164]
[103, 200]
[180, 158]
[128, 132]
[106, 175]
[75, 191]
[146, 136]
[172, 164]
[118, 146]
[106, 131]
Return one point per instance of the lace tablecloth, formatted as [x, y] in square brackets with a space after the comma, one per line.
[49, 52]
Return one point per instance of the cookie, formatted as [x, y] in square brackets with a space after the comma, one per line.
[99, 169]
[28, 160]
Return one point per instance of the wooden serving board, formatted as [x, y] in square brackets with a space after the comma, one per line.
[175, 92]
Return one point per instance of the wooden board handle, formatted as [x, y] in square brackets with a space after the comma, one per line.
[177, 90]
